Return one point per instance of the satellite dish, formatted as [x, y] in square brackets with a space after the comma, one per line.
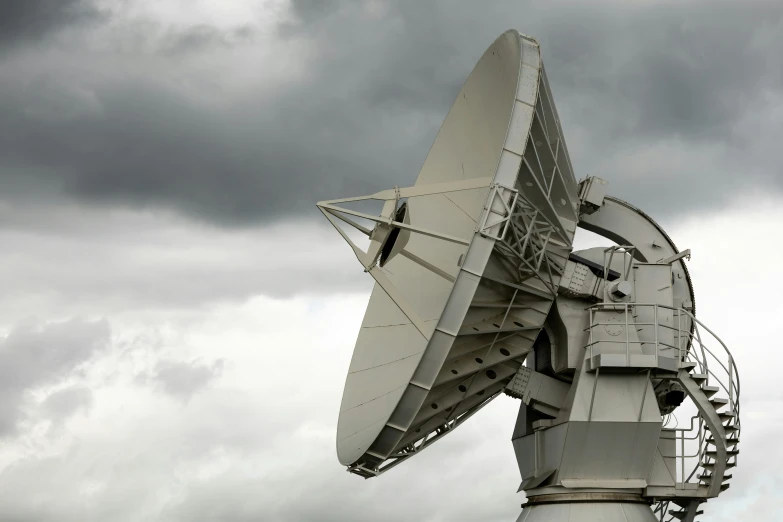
[461, 294]
[478, 293]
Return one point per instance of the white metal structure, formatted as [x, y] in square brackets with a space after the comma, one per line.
[479, 293]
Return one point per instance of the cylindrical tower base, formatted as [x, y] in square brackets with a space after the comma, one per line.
[601, 507]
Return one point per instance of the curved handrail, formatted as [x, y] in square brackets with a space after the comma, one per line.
[732, 364]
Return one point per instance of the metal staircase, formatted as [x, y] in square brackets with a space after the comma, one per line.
[710, 379]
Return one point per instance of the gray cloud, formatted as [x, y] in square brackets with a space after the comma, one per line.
[183, 379]
[33, 356]
[29, 20]
[258, 443]
[674, 103]
[63, 403]
[203, 38]
[98, 262]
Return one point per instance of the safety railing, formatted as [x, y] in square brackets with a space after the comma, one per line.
[712, 359]
[631, 311]
[716, 362]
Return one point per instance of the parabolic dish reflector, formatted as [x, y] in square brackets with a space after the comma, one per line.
[467, 263]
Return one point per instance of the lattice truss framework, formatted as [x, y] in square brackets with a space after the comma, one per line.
[529, 243]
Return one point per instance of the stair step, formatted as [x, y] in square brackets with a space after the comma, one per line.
[709, 391]
[729, 441]
[709, 466]
[726, 415]
[688, 365]
[724, 487]
[707, 477]
[730, 429]
[719, 402]
[714, 454]
[699, 377]
[680, 513]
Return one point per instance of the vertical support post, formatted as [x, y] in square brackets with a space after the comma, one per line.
[607, 264]
[644, 394]
[682, 456]
[591, 335]
[592, 397]
[702, 437]
[679, 336]
[627, 338]
[655, 320]
[535, 453]
[731, 381]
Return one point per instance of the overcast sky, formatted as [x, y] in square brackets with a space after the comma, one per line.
[175, 319]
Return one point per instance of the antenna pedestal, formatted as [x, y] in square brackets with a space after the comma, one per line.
[603, 506]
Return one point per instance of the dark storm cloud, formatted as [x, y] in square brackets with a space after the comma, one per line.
[204, 37]
[29, 20]
[673, 103]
